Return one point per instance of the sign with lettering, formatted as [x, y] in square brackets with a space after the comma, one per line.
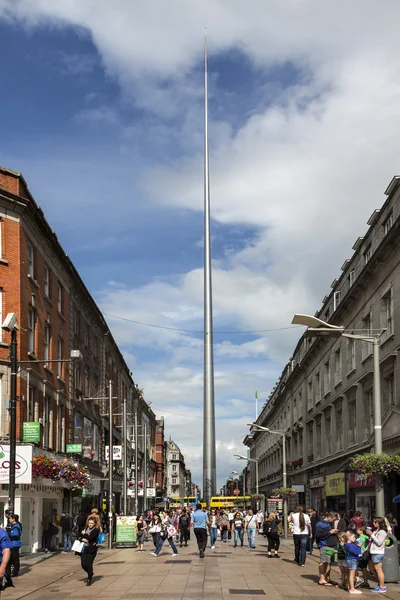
[335, 484]
[23, 464]
[359, 480]
[31, 432]
[73, 448]
[317, 482]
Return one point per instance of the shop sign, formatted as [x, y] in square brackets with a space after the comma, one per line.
[117, 453]
[23, 464]
[335, 485]
[317, 482]
[151, 492]
[31, 432]
[73, 448]
[299, 488]
[125, 529]
[359, 480]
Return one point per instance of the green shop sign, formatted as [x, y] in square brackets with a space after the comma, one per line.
[73, 448]
[31, 432]
[125, 529]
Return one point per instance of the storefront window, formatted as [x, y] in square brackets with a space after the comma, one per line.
[78, 429]
[87, 438]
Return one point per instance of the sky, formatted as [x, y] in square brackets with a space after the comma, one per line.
[102, 112]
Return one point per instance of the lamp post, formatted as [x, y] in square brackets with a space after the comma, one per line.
[317, 327]
[10, 325]
[284, 476]
[254, 460]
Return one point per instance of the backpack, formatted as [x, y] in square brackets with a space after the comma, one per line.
[184, 521]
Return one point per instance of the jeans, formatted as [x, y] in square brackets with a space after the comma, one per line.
[67, 542]
[161, 543]
[301, 543]
[224, 534]
[184, 535]
[213, 535]
[238, 533]
[251, 537]
[201, 536]
[156, 537]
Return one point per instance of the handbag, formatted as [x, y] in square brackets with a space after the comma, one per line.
[78, 546]
[102, 537]
[152, 530]
[164, 534]
[6, 582]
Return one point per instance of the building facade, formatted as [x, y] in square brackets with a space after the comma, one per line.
[67, 398]
[175, 471]
[323, 400]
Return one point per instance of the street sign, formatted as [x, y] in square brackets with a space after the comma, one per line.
[151, 492]
[73, 448]
[31, 432]
[236, 492]
[117, 453]
[130, 492]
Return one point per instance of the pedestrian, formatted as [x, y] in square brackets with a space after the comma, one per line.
[56, 518]
[357, 521]
[363, 541]
[353, 555]
[238, 529]
[326, 540]
[168, 532]
[89, 537]
[66, 524]
[155, 528]
[14, 533]
[301, 535]
[250, 526]
[260, 520]
[140, 532]
[271, 530]
[199, 522]
[224, 526]
[377, 552]
[49, 536]
[5, 552]
[184, 527]
[214, 525]
[342, 523]
[342, 560]
[96, 518]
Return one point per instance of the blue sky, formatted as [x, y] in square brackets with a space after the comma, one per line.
[102, 113]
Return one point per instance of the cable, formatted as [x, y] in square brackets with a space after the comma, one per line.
[199, 331]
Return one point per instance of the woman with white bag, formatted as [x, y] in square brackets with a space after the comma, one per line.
[168, 532]
[89, 538]
[155, 529]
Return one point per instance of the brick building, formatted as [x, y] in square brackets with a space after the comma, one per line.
[324, 397]
[57, 314]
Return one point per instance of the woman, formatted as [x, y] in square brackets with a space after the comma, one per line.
[155, 529]
[214, 524]
[167, 533]
[302, 532]
[357, 521]
[96, 517]
[224, 526]
[271, 529]
[238, 529]
[90, 537]
[140, 531]
[377, 552]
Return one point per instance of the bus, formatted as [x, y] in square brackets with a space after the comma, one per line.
[229, 501]
[189, 501]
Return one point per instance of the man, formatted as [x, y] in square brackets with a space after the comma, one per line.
[183, 527]
[200, 522]
[66, 524]
[231, 516]
[5, 552]
[326, 538]
[250, 526]
[260, 520]
[14, 531]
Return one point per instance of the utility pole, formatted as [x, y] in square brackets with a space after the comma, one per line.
[145, 469]
[136, 464]
[124, 455]
[13, 417]
[110, 467]
[209, 451]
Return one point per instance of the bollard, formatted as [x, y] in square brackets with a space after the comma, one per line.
[391, 560]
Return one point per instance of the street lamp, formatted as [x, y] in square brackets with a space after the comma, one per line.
[10, 324]
[254, 460]
[318, 327]
[284, 478]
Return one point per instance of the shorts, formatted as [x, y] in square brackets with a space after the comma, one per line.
[377, 558]
[323, 556]
[362, 564]
[342, 562]
[352, 564]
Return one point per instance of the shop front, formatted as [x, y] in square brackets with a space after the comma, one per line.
[317, 494]
[335, 491]
[362, 488]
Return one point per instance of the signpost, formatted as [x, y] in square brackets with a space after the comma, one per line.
[73, 448]
[31, 432]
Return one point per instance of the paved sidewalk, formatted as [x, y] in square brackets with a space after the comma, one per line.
[226, 572]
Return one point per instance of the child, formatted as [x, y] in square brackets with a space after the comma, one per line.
[363, 541]
[342, 561]
[353, 554]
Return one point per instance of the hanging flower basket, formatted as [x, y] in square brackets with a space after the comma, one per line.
[284, 492]
[257, 497]
[386, 465]
[297, 463]
[47, 468]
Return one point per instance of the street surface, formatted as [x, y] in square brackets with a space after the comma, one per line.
[127, 574]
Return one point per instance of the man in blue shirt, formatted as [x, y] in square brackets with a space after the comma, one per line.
[14, 530]
[326, 540]
[5, 551]
[200, 522]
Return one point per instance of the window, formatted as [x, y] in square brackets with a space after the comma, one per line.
[61, 428]
[96, 348]
[87, 336]
[46, 343]
[31, 330]
[339, 426]
[318, 426]
[338, 366]
[60, 298]
[337, 297]
[388, 224]
[327, 378]
[59, 358]
[352, 430]
[351, 355]
[317, 388]
[328, 433]
[46, 416]
[310, 441]
[352, 277]
[366, 348]
[367, 254]
[87, 382]
[174, 457]
[309, 395]
[77, 376]
[174, 468]
[387, 312]
[31, 261]
[294, 410]
[47, 281]
[368, 414]
[388, 397]
[31, 404]
[1, 311]
[174, 481]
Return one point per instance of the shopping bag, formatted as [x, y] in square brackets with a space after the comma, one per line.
[6, 582]
[171, 531]
[101, 539]
[78, 546]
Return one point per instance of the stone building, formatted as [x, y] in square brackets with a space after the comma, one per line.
[175, 471]
[323, 400]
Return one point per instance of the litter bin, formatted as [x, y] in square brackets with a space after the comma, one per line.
[391, 560]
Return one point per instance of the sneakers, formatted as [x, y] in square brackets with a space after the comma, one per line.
[355, 592]
[174, 554]
[359, 582]
[379, 590]
[212, 547]
[153, 554]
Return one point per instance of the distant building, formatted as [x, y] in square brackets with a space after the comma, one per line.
[160, 462]
[175, 471]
